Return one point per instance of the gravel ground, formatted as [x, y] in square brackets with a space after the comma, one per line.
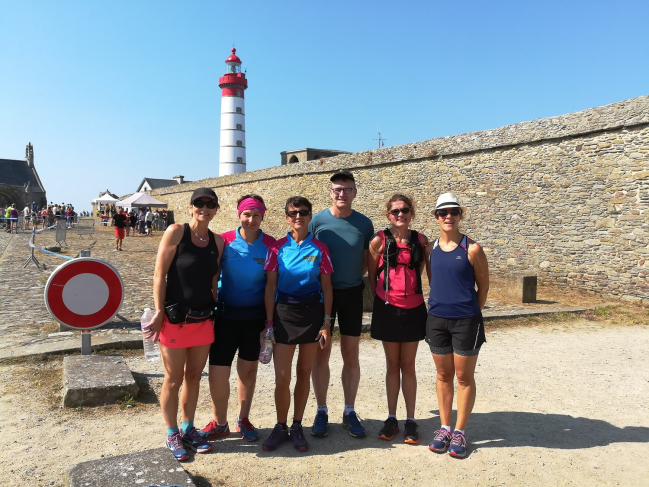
[558, 404]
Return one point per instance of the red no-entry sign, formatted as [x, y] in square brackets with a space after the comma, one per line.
[84, 293]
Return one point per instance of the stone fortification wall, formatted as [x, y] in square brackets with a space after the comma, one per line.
[563, 197]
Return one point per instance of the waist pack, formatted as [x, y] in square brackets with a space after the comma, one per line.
[178, 313]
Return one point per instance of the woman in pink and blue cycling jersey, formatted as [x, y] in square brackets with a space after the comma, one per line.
[298, 304]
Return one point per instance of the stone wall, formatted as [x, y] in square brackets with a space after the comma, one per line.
[565, 197]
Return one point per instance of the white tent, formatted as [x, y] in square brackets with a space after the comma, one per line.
[140, 200]
[105, 199]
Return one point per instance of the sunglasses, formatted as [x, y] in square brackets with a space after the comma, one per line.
[295, 213]
[201, 203]
[454, 212]
[396, 211]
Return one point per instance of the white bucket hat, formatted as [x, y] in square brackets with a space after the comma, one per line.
[449, 200]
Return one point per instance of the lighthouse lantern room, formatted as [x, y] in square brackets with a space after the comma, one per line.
[232, 154]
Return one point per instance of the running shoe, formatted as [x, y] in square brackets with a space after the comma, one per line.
[410, 434]
[441, 441]
[213, 431]
[319, 428]
[278, 436]
[175, 443]
[390, 428]
[458, 445]
[195, 441]
[297, 435]
[247, 430]
[353, 424]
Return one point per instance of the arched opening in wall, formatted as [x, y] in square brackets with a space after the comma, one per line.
[293, 159]
[10, 195]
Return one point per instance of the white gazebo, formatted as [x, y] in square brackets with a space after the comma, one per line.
[140, 200]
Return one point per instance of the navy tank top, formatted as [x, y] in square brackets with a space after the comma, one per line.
[452, 286]
[189, 280]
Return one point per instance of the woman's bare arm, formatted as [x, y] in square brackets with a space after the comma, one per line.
[478, 259]
[376, 248]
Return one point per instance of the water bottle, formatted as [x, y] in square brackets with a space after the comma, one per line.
[151, 350]
[266, 353]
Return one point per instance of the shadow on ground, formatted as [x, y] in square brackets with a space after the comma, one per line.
[502, 429]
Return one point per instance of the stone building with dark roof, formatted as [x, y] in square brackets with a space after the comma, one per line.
[148, 184]
[19, 181]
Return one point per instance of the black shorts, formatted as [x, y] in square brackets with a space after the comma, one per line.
[461, 336]
[298, 323]
[348, 308]
[230, 335]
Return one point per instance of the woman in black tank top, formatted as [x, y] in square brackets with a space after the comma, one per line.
[185, 282]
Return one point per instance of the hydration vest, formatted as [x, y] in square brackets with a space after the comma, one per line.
[391, 255]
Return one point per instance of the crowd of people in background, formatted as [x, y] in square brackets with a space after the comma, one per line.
[145, 220]
[141, 221]
[34, 216]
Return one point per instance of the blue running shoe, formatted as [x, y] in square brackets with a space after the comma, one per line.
[441, 441]
[247, 430]
[175, 444]
[458, 445]
[195, 441]
[278, 436]
[319, 428]
[353, 424]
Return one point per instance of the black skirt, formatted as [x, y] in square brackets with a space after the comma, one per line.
[392, 324]
[298, 323]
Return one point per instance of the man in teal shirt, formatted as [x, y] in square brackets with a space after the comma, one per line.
[347, 234]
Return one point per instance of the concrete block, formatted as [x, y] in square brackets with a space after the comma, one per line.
[147, 468]
[90, 380]
[524, 287]
[529, 289]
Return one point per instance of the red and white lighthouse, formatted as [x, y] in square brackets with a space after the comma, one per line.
[232, 154]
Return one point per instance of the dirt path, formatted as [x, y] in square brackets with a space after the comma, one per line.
[558, 404]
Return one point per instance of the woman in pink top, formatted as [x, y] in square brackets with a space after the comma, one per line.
[399, 313]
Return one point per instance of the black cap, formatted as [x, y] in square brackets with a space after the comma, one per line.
[340, 174]
[204, 193]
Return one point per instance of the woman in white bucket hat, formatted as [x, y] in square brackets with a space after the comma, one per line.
[454, 328]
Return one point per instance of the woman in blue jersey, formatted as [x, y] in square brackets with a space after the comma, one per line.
[298, 305]
[454, 329]
[241, 302]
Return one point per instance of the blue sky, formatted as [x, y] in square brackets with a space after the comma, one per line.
[109, 92]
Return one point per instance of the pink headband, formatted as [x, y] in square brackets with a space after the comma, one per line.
[251, 204]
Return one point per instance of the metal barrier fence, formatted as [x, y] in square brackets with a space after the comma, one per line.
[85, 226]
[32, 245]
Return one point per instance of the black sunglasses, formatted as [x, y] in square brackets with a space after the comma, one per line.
[396, 211]
[295, 213]
[201, 203]
[454, 212]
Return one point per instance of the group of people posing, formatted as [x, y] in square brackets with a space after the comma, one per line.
[298, 286]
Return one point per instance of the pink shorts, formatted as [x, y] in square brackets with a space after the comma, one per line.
[185, 335]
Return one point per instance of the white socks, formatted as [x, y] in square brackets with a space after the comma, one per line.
[323, 409]
[447, 428]
[348, 409]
